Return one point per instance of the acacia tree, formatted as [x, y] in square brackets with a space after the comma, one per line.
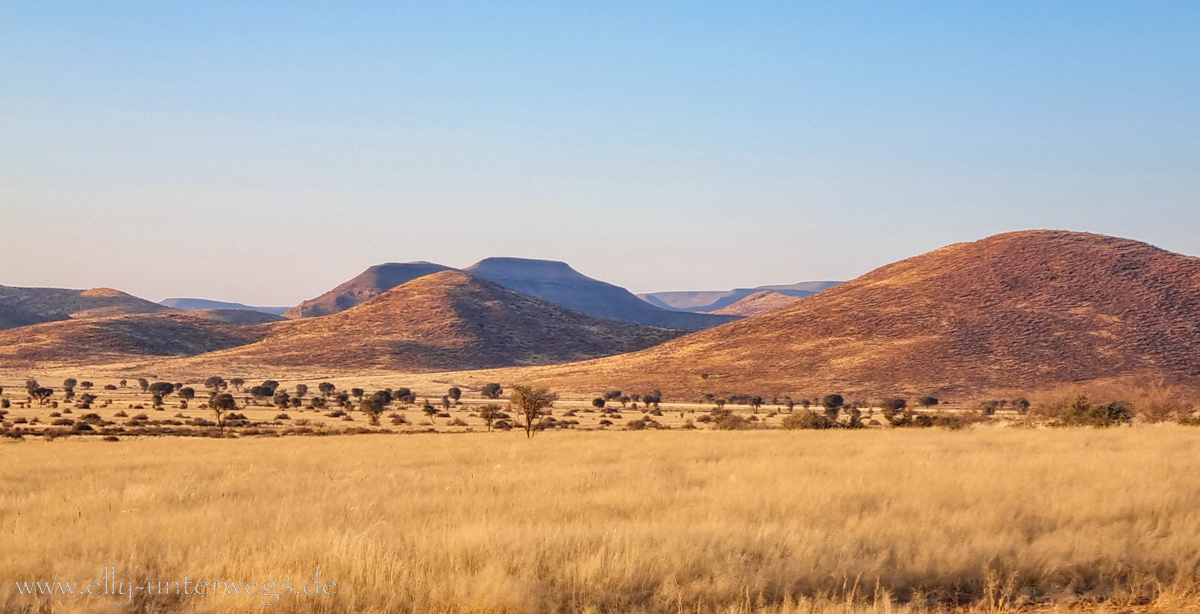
[755, 403]
[489, 414]
[372, 406]
[41, 394]
[326, 388]
[598, 403]
[430, 411]
[237, 383]
[301, 390]
[455, 394]
[529, 403]
[491, 391]
[221, 404]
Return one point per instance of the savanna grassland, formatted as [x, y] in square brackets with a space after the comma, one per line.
[985, 519]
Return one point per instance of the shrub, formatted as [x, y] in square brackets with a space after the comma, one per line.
[1081, 412]
[808, 420]
[731, 422]
[283, 417]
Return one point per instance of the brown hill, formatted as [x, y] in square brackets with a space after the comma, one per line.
[444, 321]
[1019, 310]
[26, 306]
[121, 338]
[757, 304]
[362, 288]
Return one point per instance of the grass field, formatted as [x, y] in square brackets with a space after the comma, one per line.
[667, 521]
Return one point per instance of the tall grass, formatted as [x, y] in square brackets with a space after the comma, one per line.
[618, 522]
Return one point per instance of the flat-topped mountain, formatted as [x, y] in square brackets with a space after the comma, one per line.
[713, 301]
[1019, 310]
[445, 321]
[203, 304]
[558, 283]
[552, 281]
[364, 287]
[26, 306]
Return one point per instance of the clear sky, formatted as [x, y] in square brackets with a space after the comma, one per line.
[263, 152]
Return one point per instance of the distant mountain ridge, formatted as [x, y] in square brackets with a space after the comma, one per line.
[711, 301]
[191, 304]
[758, 303]
[558, 283]
[363, 287]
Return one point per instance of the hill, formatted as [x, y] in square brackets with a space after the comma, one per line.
[1015, 311]
[27, 306]
[123, 338]
[202, 304]
[444, 321]
[364, 287]
[758, 303]
[562, 285]
[715, 300]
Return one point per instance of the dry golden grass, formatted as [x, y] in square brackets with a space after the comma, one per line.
[619, 522]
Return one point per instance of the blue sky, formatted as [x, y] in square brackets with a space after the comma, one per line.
[264, 152]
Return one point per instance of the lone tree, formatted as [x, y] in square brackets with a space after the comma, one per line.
[40, 394]
[430, 411]
[491, 391]
[529, 403]
[215, 383]
[598, 403]
[455, 394]
[69, 383]
[144, 384]
[489, 414]
[187, 394]
[927, 401]
[221, 404]
[326, 388]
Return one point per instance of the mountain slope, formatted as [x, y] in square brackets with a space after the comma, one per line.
[1019, 310]
[758, 303]
[560, 284]
[199, 304]
[364, 287]
[444, 321]
[122, 338]
[26, 306]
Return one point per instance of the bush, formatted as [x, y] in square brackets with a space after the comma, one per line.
[808, 420]
[1081, 412]
[731, 422]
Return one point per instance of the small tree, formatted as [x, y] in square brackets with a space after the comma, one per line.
[41, 394]
[445, 403]
[187, 394]
[455, 394]
[282, 399]
[215, 383]
[301, 390]
[86, 385]
[755, 403]
[372, 407]
[491, 391]
[489, 414]
[220, 405]
[326, 388]
[144, 384]
[357, 393]
[161, 389]
[598, 403]
[529, 403]
[237, 383]
[429, 410]
[69, 383]
[833, 405]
